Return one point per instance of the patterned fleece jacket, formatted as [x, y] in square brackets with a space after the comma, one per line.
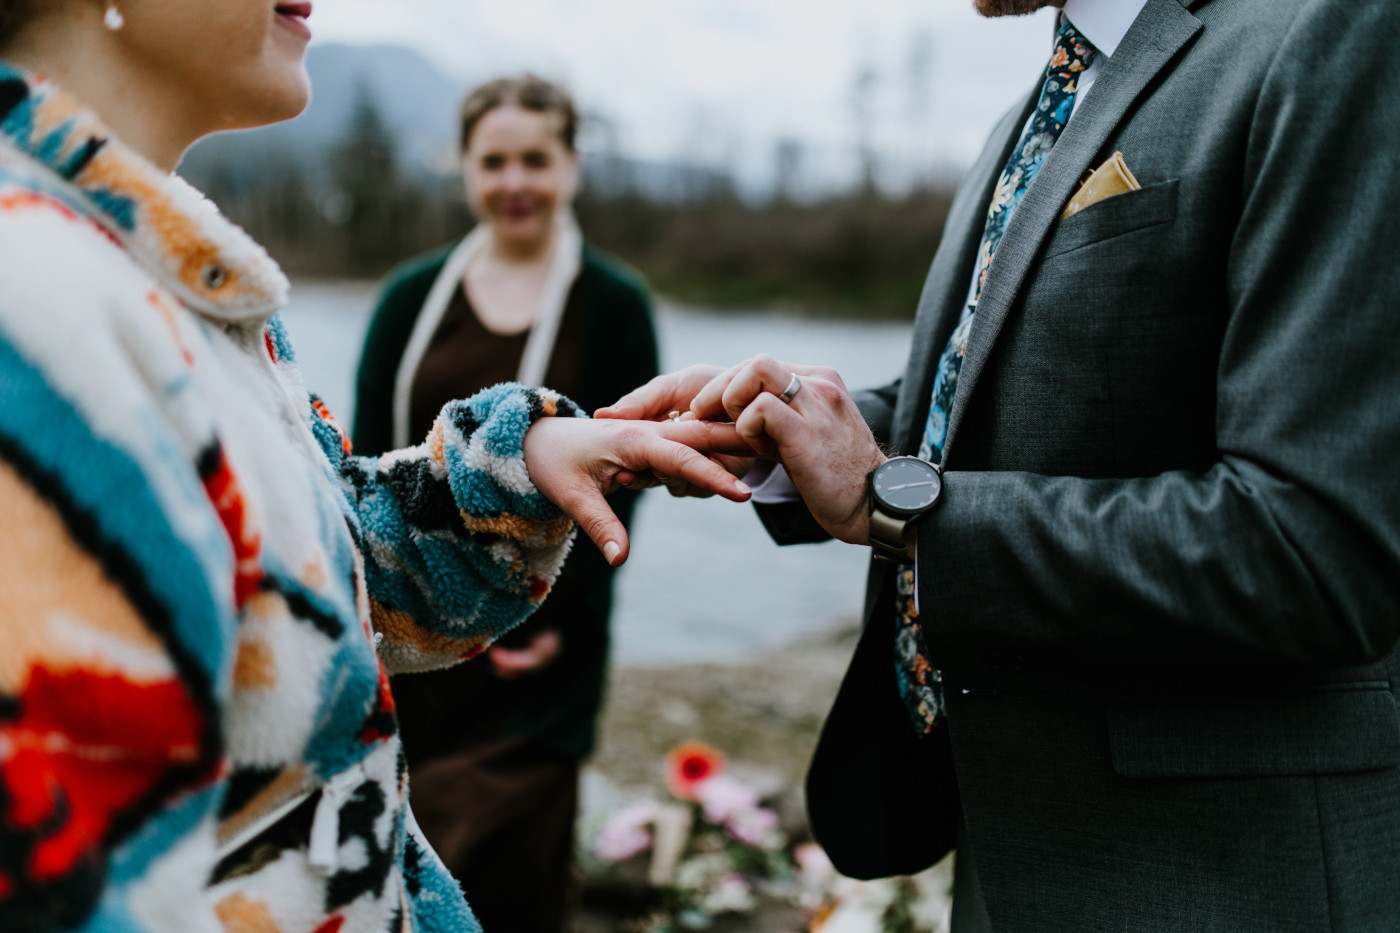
[196, 729]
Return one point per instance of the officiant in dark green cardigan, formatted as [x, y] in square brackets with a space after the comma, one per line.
[494, 746]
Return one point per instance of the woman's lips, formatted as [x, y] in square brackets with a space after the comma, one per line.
[294, 17]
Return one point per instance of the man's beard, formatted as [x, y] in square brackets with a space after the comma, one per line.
[1012, 7]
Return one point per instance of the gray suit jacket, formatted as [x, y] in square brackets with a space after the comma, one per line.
[1162, 584]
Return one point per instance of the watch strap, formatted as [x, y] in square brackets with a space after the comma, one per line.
[887, 537]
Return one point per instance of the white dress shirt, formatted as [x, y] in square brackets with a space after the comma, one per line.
[1104, 23]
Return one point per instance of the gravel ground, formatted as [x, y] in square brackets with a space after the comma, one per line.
[764, 714]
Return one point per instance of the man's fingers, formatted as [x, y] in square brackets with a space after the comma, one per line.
[767, 425]
[729, 396]
[637, 481]
[705, 403]
[763, 374]
[661, 396]
[631, 407]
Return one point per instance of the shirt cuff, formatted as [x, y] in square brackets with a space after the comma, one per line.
[771, 484]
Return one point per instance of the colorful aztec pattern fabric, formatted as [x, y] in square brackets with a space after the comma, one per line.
[196, 571]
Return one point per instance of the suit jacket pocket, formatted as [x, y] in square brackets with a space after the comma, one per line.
[1344, 728]
[1115, 216]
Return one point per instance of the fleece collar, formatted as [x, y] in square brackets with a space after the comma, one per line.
[171, 229]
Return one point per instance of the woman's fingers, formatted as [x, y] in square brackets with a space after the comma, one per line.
[585, 504]
[708, 437]
[643, 450]
[674, 451]
[573, 462]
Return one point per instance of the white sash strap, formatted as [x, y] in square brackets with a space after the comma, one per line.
[323, 852]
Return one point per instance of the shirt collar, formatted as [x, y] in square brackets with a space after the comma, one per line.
[1103, 22]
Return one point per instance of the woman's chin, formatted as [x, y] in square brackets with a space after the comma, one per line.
[279, 98]
[522, 234]
[290, 94]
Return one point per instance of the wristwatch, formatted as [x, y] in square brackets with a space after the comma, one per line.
[901, 489]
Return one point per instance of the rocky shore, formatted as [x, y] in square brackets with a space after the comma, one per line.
[764, 714]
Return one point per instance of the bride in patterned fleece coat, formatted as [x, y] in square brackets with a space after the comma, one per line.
[202, 591]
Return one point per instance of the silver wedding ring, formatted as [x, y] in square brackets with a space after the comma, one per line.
[792, 389]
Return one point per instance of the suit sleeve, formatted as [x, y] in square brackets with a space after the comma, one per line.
[1286, 550]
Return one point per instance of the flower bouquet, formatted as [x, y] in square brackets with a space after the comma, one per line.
[712, 856]
[710, 850]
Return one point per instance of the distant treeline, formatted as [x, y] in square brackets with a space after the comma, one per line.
[358, 212]
[861, 254]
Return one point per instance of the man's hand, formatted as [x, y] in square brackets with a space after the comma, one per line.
[656, 401]
[819, 437]
[658, 398]
[575, 461]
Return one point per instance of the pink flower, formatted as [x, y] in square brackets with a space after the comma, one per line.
[723, 798]
[757, 827]
[625, 833]
[814, 868]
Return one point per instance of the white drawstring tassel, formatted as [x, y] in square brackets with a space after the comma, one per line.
[323, 854]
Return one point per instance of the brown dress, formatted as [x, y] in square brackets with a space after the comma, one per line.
[494, 763]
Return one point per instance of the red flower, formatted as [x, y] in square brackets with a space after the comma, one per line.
[690, 764]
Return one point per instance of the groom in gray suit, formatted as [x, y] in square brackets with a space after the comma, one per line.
[1137, 661]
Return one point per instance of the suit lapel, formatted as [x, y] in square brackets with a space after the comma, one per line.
[945, 290]
[1160, 31]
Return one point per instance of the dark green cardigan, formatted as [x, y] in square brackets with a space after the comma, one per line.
[617, 353]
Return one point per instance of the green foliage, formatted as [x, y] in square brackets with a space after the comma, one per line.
[899, 915]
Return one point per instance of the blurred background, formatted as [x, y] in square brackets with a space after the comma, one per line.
[778, 171]
[789, 153]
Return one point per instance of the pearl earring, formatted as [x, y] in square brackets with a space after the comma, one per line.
[113, 18]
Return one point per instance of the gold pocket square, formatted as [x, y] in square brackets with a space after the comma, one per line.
[1113, 177]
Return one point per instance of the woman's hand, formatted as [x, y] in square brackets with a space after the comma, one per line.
[574, 462]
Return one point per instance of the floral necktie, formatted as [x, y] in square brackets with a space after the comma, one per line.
[920, 684]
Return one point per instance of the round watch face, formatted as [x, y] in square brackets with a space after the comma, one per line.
[906, 485]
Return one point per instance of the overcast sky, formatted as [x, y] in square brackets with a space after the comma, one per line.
[720, 81]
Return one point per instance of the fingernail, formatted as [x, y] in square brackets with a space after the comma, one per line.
[610, 551]
[742, 487]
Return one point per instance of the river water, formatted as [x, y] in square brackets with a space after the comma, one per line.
[703, 582]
